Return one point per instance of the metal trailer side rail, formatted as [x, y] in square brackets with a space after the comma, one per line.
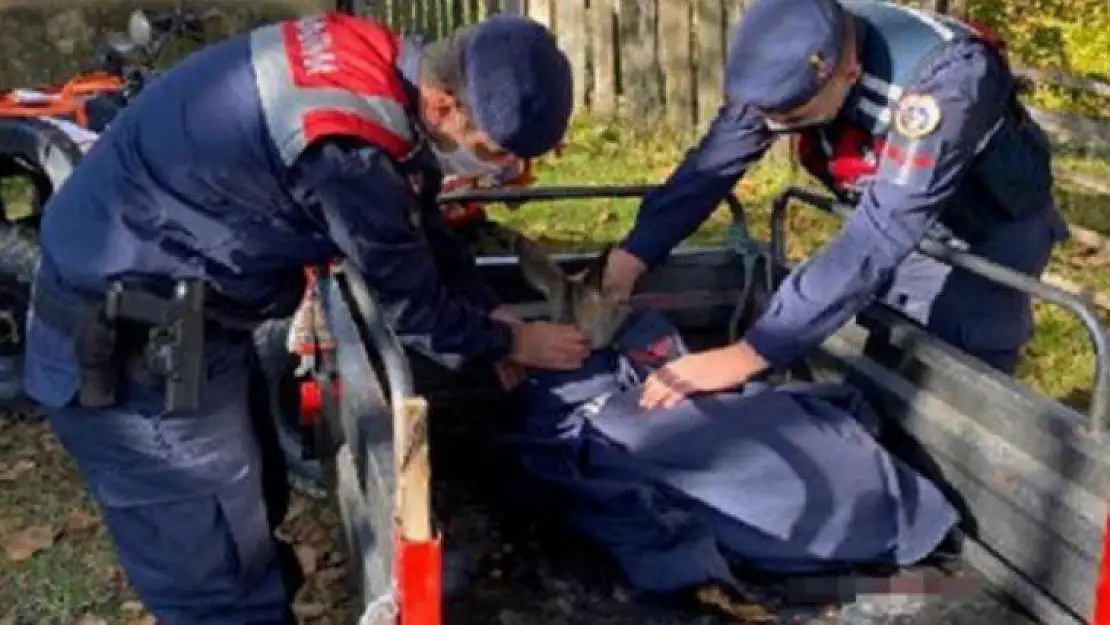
[1028, 484]
[369, 356]
[1031, 476]
[361, 416]
[936, 248]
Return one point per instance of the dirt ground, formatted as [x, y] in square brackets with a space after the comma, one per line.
[505, 564]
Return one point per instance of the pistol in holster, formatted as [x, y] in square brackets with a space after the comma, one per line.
[166, 334]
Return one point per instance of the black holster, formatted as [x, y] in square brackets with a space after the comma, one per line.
[164, 336]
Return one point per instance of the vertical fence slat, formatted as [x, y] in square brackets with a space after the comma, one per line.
[570, 22]
[540, 10]
[443, 11]
[640, 80]
[431, 19]
[603, 48]
[710, 59]
[674, 39]
[458, 13]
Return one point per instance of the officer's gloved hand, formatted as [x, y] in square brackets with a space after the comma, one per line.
[308, 332]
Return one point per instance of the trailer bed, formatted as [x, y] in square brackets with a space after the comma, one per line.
[508, 563]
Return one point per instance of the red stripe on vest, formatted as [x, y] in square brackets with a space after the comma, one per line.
[1102, 591]
[323, 123]
[355, 55]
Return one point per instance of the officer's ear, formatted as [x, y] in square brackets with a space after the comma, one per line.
[439, 105]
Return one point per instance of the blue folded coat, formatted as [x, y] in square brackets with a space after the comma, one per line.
[788, 479]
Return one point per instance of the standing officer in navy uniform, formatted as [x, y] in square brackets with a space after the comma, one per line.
[928, 106]
[193, 218]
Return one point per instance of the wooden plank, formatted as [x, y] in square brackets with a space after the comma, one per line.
[1065, 79]
[641, 81]
[414, 470]
[458, 14]
[570, 27]
[603, 56]
[678, 69]
[492, 7]
[1087, 181]
[734, 10]
[419, 16]
[431, 19]
[710, 39]
[1078, 127]
[540, 10]
[1102, 300]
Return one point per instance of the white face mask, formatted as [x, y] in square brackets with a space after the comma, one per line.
[463, 162]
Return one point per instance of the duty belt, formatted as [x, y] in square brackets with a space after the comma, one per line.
[167, 333]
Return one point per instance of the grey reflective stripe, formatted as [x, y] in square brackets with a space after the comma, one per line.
[881, 87]
[284, 103]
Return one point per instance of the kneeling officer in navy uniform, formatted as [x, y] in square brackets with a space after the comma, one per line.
[911, 116]
[194, 217]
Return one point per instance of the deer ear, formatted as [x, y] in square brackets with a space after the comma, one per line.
[595, 274]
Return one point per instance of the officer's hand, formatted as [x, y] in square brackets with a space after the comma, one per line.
[549, 346]
[621, 272]
[714, 370]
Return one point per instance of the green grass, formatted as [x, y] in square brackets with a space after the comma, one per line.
[76, 575]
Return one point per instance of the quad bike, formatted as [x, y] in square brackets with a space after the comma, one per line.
[44, 132]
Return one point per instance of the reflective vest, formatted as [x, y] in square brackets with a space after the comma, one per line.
[897, 41]
[331, 74]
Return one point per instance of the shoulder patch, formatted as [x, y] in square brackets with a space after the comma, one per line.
[917, 116]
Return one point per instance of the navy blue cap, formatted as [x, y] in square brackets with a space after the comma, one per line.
[783, 51]
[519, 83]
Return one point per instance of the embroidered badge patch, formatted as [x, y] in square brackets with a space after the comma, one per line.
[918, 115]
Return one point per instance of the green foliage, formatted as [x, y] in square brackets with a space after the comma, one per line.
[1071, 35]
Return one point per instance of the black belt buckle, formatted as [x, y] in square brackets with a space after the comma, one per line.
[174, 348]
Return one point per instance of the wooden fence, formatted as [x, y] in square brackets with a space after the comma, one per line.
[643, 57]
[634, 56]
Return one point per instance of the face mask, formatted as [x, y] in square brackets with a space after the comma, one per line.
[463, 162]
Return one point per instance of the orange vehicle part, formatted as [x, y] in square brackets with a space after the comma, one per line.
[66, 101]
[1102, 591]
[418, 563]
[420, 581]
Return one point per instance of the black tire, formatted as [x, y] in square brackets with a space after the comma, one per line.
[46, 156]
[278, 366]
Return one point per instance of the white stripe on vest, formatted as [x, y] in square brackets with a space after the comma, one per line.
[285, 104]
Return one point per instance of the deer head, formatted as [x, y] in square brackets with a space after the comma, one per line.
[578, 300]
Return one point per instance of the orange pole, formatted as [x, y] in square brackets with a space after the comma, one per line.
[419, 553]
[1102, 591]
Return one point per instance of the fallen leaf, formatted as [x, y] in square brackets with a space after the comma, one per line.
[296, 509]
[306, 555]
[79, 523]
[28, 541]
[131, 608]
[16, 470]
